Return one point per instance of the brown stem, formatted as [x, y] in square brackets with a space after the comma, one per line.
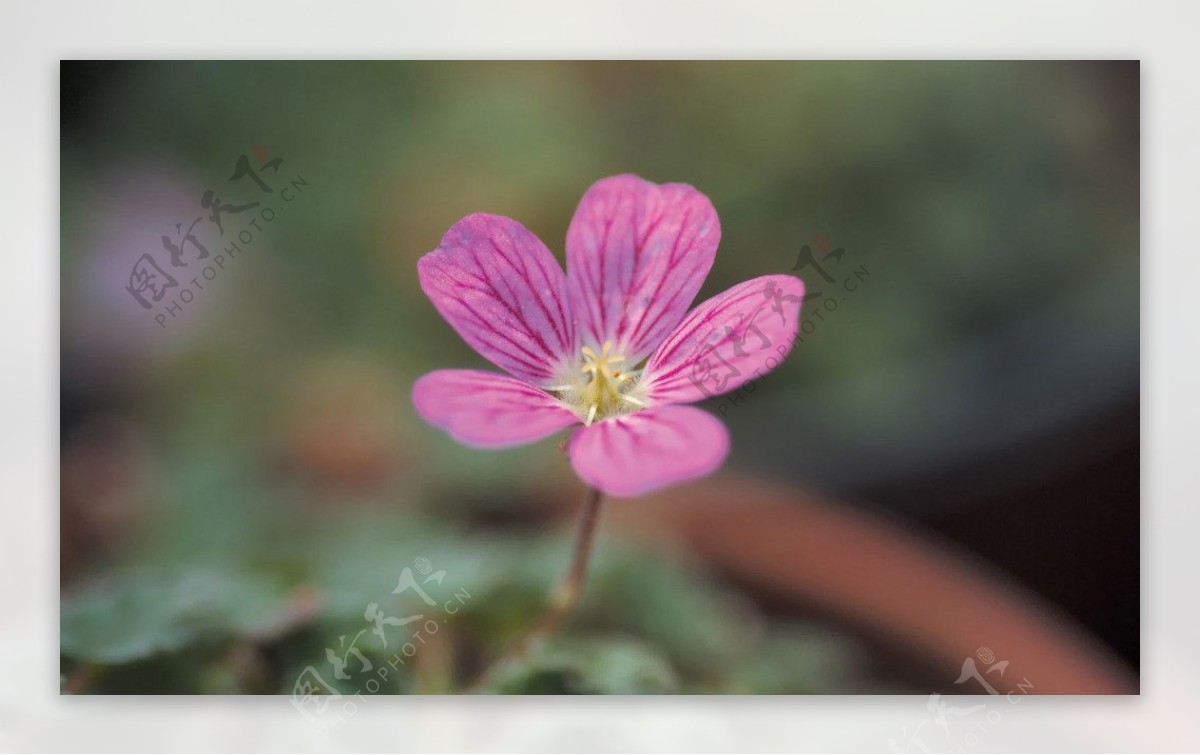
[565, 597]
[566, 594]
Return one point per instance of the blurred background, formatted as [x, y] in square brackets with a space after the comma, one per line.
[946, 469]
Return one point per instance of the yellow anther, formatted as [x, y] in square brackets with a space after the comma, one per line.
[603, 391]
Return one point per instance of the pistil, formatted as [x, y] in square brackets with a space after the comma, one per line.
[605, 388]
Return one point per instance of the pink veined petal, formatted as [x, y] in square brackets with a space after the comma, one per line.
[487, 410]
[736, 336]
[636, 453]
[502, 290]
[637, 253]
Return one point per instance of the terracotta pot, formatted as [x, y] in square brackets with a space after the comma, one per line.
[917, 591]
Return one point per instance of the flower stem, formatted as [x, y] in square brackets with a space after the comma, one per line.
[565, 597]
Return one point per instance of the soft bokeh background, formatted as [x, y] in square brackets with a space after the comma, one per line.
[239, 485]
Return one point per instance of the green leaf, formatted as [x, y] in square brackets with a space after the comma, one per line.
[797, 660]
[132, 615]
[608, 666]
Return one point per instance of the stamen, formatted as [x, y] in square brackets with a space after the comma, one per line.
[601, 395]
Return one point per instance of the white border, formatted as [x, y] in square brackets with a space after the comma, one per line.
[33, 36]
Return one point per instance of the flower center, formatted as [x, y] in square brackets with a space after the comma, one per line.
[602, 389]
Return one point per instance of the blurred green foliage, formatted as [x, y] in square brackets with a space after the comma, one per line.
[199, 611]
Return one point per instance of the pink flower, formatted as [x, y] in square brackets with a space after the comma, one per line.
[574, 344]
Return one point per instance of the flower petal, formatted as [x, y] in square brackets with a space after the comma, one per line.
[736, 336]
[640, 452]
[637, 253]
[488, 410]
[502, 290]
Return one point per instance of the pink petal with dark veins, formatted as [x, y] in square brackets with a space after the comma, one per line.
[488, 410]
[636, 453]
[736, 336]
[502, 290]
[637, 253]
